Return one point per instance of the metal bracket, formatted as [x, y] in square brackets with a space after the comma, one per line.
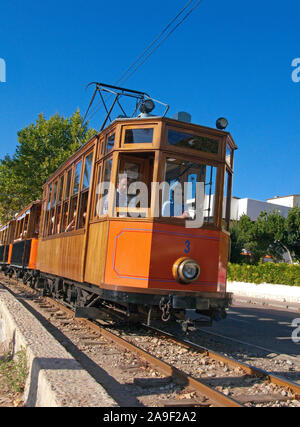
[118, 92]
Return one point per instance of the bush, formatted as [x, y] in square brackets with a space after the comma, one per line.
[284, 274]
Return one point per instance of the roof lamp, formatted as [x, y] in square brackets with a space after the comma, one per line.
[222, 123]
[147, 106]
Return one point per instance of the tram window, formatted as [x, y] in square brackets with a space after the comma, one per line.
[21, 228]
[72, 220]
[65, 205]
[228, 154]
[83, 208]
[54, 194]
[139, 136]
[84, 195]
[36, 224]
[195, 142]
[49, 197]
[68, 186]
[47, 214]
[61, 187]
[227, 201]
[97, 211]
[102, 190]
[209, 203]
[133, 193]
[26, 221]
[64, 216]
[45, 218]
[51, 228]
[110, 142]
[87, 171]
[73, 214]
[77, 178]
[58, 211]
[179, 195]
[57, 219]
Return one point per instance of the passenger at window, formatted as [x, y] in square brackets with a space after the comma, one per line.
[71, 225]
[121, 196]
[174, 206]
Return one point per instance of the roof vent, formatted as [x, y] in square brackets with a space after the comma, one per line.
[182, 117]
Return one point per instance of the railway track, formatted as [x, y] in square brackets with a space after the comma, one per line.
[204, 377]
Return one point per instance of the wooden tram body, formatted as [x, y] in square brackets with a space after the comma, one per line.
[92, 258]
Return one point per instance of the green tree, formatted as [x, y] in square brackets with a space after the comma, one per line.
[292, 228]
[42, 148]
[258, 236]
[237, 244]
[270, 234]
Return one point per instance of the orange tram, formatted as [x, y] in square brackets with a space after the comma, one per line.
[85, 246]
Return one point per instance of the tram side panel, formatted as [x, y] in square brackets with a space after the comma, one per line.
[95, 258]
[62, 256]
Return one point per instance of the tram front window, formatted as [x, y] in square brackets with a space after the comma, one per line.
[133, 185]
[187, 183]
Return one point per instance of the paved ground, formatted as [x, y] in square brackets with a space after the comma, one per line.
[268, 328]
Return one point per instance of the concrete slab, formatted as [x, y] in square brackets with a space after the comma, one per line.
[55, 378]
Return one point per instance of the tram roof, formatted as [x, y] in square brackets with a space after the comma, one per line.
[137, 120]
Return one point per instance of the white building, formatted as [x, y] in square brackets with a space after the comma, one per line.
[289, 201]
[253, 208]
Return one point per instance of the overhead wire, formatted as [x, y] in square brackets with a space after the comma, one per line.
[154, 41]
[165, 38]
[158, 41]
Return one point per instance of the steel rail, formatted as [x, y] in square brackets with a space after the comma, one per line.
[249, 369]
[178, 376]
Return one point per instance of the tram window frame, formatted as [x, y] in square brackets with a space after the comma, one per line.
[59, 203]
[192, 151]
[84, 191]
[100, 148]
[227, 197]
[99, 199]
[105, 144]
[66, 199]
[51, 226]
[213, 220]
[48, 208]
[36, 221]
[74, 197]
[140, 145]
[229, 154]
[96, 197]
[143, 177]
[26, 225]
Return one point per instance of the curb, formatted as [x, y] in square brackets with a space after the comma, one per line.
[266, 303]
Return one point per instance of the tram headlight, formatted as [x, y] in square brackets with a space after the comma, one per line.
[147, 106]
[186, 270]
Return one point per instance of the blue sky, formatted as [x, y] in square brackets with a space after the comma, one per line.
[229, 59]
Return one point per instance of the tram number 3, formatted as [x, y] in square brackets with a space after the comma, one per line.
[187, 246]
